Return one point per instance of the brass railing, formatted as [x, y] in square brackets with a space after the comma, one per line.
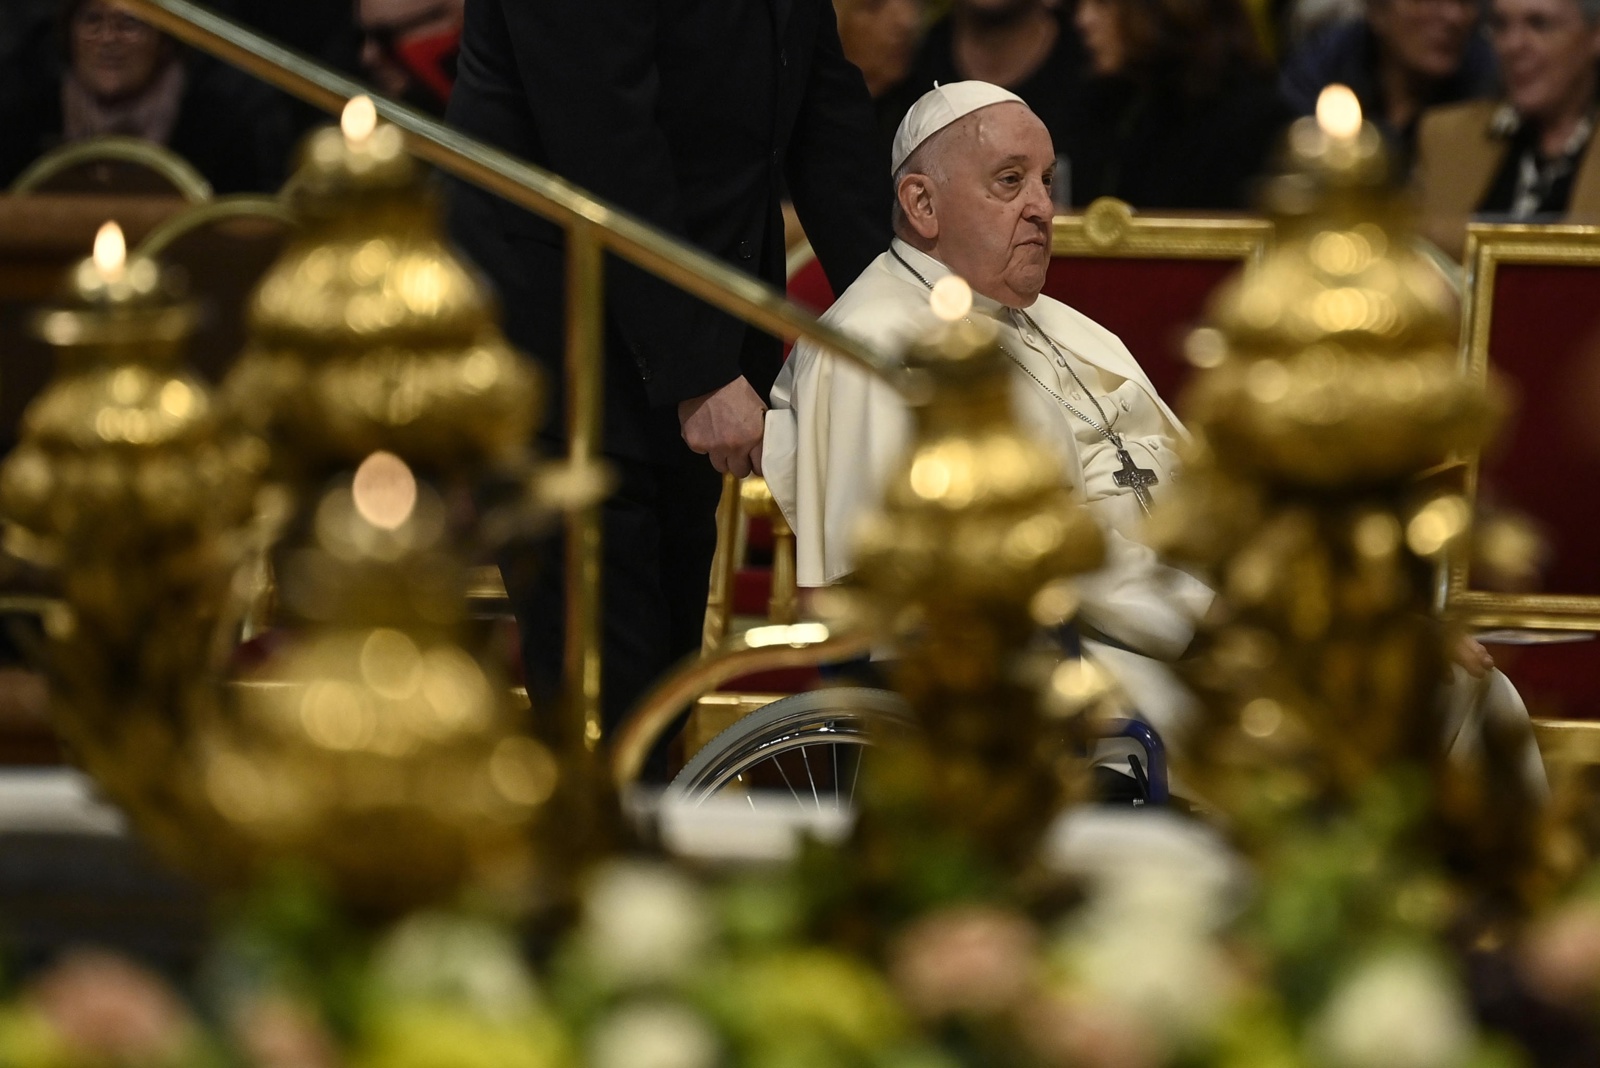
[592, 227]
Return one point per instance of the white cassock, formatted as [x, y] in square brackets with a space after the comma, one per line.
[835, 433]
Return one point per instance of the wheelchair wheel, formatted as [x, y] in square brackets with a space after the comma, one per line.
[807, 748]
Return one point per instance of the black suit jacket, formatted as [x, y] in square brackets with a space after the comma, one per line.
[693, 115]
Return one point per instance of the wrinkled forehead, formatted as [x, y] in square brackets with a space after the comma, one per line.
[994, 135]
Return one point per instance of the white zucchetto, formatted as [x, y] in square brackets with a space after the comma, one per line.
[938, 108]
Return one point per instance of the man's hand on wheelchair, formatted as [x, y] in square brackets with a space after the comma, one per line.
[726, 425]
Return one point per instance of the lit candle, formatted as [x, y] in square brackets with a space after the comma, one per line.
[359, 119]
[951, 298]
[1339, 112]
[110, 252]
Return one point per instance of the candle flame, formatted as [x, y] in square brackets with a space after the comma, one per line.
[385, 490]
[110, 249]
[951, 298]
[360, 118]
[1338, 111]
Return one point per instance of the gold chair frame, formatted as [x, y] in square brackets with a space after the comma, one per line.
[233, 206]
[1488, 246]
[1112, 228]
[185, 180]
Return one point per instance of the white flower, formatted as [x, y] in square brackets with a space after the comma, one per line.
[1143, 944]
[438, 957]
[1400, 1010]
[643, 923]
[653, 1035]
[1170, 975]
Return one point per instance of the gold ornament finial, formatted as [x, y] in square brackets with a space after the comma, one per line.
[369, 334]
[376, 371]
[975, 523]
[1335, 361]
[1331, 382]
[126, 484]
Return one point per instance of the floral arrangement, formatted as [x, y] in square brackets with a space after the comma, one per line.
[1334, 959]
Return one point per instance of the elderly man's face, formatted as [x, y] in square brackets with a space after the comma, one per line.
[1547, 53]
[991, 207]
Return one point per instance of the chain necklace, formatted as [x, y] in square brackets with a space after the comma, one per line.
[1130, 476]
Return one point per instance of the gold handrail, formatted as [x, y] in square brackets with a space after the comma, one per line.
[522, 183]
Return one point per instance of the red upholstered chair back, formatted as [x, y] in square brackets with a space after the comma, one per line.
[1543, 341]
[808, 285]
[1148, 278]
[1532, 318]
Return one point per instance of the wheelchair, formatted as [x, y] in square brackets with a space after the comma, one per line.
[809, 748]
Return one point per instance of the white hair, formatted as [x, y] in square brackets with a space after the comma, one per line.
[926, 159]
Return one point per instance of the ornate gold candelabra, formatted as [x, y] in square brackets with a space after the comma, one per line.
[977, 533]
[127, 482]
[1331, 385]
[375, 396]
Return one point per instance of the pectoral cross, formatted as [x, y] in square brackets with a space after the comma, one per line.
[1136, 478]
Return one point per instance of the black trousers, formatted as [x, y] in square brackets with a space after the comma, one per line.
[659, 534]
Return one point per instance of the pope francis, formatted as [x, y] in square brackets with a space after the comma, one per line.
[973, 168]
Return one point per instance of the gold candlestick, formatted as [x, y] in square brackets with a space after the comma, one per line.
[1330, 384]
[126, 483]
[369, 335]
[977, 531]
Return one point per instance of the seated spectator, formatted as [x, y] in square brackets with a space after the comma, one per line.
[123, 77]
[1026, 46]
[1404, 57]
[1532, 155]
[1180, 111]
[409, 49]
[880, 38]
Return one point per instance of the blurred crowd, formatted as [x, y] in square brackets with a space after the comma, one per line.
[1489, 105]
[76, 69]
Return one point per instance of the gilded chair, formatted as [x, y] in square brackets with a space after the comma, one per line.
[1147, 277]
[1529, 317]
[126, 166]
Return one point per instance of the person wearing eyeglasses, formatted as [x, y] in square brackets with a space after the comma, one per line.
[114, 75]
[1530, 156]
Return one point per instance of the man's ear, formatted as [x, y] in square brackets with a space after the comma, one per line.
[915, 193]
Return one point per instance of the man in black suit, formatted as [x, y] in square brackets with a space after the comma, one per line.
[694, 115]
